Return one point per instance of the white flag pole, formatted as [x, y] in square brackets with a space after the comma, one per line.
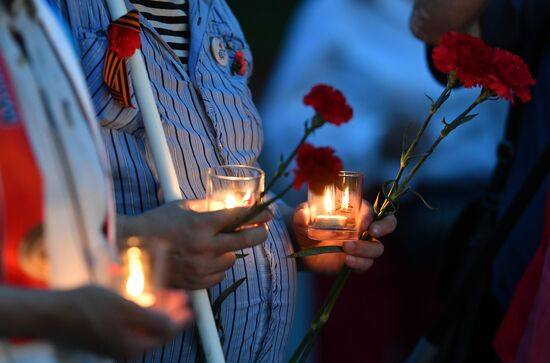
[169, 182]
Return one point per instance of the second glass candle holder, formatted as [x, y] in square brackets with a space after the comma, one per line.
[231, 186]
[336, 214]
[143, 270]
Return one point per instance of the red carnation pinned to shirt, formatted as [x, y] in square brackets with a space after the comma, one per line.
[510, 77]
[123, 40]
[239, 63]
[329, 103]
[468, 56]
[318, 167]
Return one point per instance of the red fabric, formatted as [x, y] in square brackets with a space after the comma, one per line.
[21, 185]
[509, 336]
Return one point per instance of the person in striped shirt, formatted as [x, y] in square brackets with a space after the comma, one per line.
[209, 119]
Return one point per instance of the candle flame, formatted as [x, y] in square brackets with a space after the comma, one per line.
[328, 200]
[135, 285]
[230, 201]
[345, 199]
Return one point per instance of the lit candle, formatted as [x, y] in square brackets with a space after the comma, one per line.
[329, 219]
[135, 285]
[345, 206]
[230, 201]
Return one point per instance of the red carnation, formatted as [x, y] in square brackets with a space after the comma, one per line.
[239, 64]
[329, 103]
[318, 167]
[123, 40]
[510, 76]
[468, 56]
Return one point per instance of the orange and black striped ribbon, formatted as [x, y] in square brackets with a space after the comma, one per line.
[115, 72]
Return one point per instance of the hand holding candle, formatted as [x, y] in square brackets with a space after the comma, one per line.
[356, 254]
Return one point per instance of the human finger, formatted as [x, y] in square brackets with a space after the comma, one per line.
[367, 215]
[301, 216]
[219, 220]
[244, 238]
[198, 273]
[358, 264]
[197, 205]
[383, 227]
[364, 249]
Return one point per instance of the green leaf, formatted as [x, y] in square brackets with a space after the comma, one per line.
[317, 251]
[217, 305]
[376, 203]
[412, 191]
[445, 96]
[241, 255]
[468, 118]
[428, 97]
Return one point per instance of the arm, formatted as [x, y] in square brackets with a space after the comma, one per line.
[90, 318]
[431, 18]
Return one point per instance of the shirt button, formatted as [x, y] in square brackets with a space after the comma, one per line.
[220, 146]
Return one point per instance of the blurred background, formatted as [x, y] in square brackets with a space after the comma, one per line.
[365, 49]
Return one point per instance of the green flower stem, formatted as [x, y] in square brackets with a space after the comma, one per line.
[407, 155]
[301, 353]
[308, 342]
[316, 123]
[256, 209]
[459, 120]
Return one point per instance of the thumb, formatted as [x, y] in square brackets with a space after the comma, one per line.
[301, 216]
[225, 217]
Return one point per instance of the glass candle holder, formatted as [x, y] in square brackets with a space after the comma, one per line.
[233, 186]
[143, 270]
[335, 214]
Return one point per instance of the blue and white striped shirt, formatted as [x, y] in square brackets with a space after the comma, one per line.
[209, 119]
